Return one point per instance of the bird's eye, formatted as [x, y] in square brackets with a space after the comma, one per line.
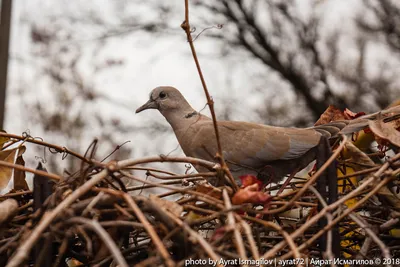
[162, 95]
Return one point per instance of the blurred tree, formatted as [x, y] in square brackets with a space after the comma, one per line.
[5, 26]
[296, 46]
[64, 111]
[281, 47]
[382, 27]
[67, 98]
[385, 21]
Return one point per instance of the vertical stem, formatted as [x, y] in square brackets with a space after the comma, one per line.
[186, 27]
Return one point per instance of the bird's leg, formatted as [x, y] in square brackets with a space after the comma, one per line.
[327, 186]
[270, 176]
[292, 174]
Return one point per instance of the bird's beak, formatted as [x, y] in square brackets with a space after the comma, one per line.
[151, 104]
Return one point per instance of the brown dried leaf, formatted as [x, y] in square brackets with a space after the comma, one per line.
[3, 140]
[354, 154]
[6, 172]
[350, 115]
[72, 262]
[386, 131]
[389, 196]
[334, 114]
[330, 114]
[171, 206]
[251, 194]
[395, 103]
[192, 216]
[248, 180]
[19, 176]
[209, 190]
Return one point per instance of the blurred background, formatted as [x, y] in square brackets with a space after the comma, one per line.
[77, 70]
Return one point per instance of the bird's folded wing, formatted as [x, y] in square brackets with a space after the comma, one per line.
[252, 144]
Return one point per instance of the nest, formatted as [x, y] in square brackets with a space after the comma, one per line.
[90, 218]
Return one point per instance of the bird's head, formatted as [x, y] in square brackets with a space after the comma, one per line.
[166, 99]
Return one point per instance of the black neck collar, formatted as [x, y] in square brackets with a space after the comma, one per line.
[191, 114]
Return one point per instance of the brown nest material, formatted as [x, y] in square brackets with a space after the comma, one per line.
[90, 218]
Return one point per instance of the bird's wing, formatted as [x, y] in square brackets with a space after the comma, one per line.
[251, 144]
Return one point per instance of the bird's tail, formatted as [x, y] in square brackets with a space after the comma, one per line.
[333, 129]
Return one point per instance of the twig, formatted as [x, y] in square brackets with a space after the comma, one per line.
[141, 187]
[231, 222]
[55, 147]
[178, 189]
[195, 161]
[334, 205]
[150, 230]
[186, 27]
[250, 238]
[24, 250]
[289, 240]
[92, 203]
[329, 217]
[150, 169]
[9, 195]
[310, 181]
[204, 174]
[8, 209]
[338, 219]
[26, 169]
[358, 220]
[196, 236]
[107, 240]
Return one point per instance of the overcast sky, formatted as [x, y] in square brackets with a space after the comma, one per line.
[148, 62]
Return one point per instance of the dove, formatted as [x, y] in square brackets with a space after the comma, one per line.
[268, 152]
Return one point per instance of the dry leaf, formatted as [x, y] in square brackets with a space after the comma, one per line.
[249, 180]
[389, 196]
[209, 190]
[330, 114]
[192, 216]
[385, 131]
[334, 114]
[172, 207]
[3, 139]
[19, 176]
[251, 194]
[356, 155]
[6, 172]
[71, 262]
[394, 103]
[350, 115]
[250, 191]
